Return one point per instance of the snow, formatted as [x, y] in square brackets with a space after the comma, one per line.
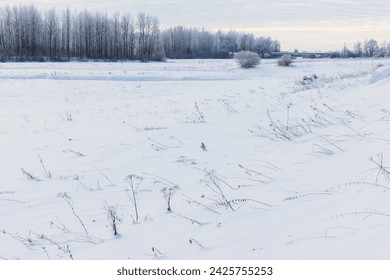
[380, 74]
[292, 168]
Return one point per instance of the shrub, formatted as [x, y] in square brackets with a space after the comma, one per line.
[247, 59]
[285, 60]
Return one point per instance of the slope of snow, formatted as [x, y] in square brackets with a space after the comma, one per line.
[381, 74]
[294, 162]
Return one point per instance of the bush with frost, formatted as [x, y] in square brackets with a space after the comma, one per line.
[247, 59]
[285, 60]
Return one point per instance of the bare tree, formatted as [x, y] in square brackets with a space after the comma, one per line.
[51, 24]
[128, 36]
[382, 49]
[345, 53]
[264, 45]
[370, 47]
[246, 42]
[357, 47]
[387, 50]
[66, 32]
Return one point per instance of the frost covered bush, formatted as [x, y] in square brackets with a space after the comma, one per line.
[247, 59]
[309, 79]
[285, 60]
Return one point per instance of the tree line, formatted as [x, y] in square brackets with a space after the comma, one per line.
[27, 33]
[182, 42]
[368, 48]
[31, 34]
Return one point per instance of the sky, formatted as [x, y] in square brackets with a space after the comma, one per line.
[314, 25]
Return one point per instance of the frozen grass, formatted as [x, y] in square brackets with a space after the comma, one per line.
[229, 163]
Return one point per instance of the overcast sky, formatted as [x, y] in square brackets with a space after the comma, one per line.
[306, 25]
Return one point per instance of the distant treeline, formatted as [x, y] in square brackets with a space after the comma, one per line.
[368, 48]
[31, 34]
[181, 42]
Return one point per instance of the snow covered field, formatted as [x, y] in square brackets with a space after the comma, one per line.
[266, 163]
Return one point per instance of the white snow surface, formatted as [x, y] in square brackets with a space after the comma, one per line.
[294, 164]
[382, 73]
